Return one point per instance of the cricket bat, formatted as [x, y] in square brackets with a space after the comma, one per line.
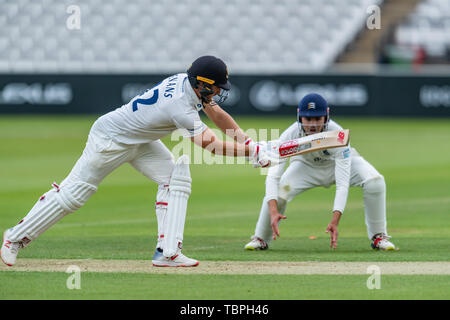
[313, 142]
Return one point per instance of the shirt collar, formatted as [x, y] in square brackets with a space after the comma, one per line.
[193, 99]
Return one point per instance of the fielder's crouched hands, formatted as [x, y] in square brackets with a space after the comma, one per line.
[332, 228]
[275, 219]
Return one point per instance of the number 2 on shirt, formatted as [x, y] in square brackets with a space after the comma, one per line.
[146, 102]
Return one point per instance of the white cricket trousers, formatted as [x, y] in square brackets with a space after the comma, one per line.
[300, 177]
[100, 157]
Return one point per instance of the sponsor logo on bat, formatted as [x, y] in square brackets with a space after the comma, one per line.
[341, 136]
[291, 148]
[318, 139]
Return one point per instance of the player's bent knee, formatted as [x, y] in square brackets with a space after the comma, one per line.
[74, 195]
[285, 191]
[375, 185]
[163, 175]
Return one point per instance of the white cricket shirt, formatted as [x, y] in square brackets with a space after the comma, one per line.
[337, 157]
[170, 105]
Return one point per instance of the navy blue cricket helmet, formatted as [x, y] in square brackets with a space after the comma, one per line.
[313, 105]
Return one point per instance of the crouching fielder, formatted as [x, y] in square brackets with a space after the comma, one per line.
[131, 134]
[342, 166]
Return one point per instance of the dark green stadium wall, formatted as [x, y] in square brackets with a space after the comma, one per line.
[377, 95]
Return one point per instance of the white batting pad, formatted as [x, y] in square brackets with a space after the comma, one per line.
[50, 208]
[179, 191]
[162, 200]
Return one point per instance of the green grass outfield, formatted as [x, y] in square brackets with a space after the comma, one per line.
[52, 285]
[119, 221]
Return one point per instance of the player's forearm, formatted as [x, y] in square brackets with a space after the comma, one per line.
[271, 187]
[342, 174]
[228, 148]
[226, 123]
[336, 217]
[340, 199]
[209, 141]
[273, 207]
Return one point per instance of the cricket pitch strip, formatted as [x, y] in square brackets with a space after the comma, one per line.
[232, 267]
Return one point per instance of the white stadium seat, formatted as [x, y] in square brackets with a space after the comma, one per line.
[429, 27]
[165, 36]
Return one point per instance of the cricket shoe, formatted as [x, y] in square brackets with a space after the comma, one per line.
[9, 249]
[256, 244]
[178, 260]
[381, 241]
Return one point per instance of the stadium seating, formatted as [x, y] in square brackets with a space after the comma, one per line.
[152, 36]
[428, 27]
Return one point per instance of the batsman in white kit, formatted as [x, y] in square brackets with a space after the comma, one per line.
[132, 134]
[342, 166]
